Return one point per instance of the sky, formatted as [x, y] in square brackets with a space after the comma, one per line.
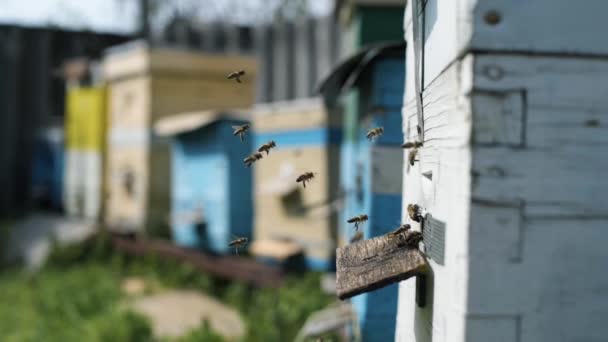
[121, 15]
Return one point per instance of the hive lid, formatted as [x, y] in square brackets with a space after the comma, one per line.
[348, 73]
[190, 121]
[137, 57]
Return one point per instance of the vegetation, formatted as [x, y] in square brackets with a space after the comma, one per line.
[77, 297]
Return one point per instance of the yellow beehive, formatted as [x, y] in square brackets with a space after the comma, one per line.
[145, 85]
[85, 150]
[307, 139]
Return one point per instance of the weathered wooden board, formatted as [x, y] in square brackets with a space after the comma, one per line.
[372, 264]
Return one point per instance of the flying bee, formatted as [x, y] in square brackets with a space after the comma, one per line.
[413, 239]
[374, 133]
[305, 177]
[252, 158]
[240, 130]
[401, 229]
[237, 243]
[357, 220]
[411, 157]
[410, 144]
[267, 146]
[236, 75]
[415, 212]
[357, 237]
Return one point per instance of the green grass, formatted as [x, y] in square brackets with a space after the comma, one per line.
[77, 297]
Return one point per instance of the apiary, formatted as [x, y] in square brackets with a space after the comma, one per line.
[307, 140]
[144, 85]
[211, 188]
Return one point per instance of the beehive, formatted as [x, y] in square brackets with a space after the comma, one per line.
[211, 188]
[146, 85]
[307, 139]
[511, 104]
[85, 151]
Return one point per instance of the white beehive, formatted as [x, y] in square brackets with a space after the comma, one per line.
[514, 120]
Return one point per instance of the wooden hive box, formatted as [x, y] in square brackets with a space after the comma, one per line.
[211, 188]
[510, 98]
[307, 139]
[85, 151]
[146, 85]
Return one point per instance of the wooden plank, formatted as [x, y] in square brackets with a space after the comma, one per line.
[372, 264]
[228, 267]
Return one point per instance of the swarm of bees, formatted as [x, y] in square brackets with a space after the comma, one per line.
[252, 158]
[237, 243]
[305, 177]
[374, 133]
[236, 75]
[358, 220]
[240, 130]
[267, 146]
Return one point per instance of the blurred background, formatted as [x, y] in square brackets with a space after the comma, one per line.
[123, 184]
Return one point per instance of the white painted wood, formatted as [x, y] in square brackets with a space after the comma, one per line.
[516, 145]
[83, 189]
[455, 27]
[446, 154]
[387, 163]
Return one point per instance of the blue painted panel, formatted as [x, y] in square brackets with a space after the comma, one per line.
[208, 173]
[388, 79]
[299, 138]
[377, 312]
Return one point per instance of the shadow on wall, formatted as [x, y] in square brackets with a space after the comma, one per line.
[423, 317]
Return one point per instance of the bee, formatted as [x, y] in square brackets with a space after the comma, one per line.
[411, 144]
[357, 220]
[415, 212]
[252, 158]
[413, 239]
[411, 157]
[240, 130]
[357, 237]
[305, 177]
[236, 75]
[374, 133]
[237, 243]
[401, 229]
[267, 146]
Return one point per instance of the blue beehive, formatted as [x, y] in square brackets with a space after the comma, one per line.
[210, 186]
[371, 172]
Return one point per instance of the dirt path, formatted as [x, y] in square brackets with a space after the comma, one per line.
[175, 312]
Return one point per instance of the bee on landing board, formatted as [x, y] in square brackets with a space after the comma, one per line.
[413, 239]
[305, 177]
[411, 144]
[240, 130]
[401, 229]
[357, 220]
[357, 237]
[236, 75]
[267, 146]
[237, 243]
[411, 157]
[252, 158]
[414, 212]
[374, 133]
